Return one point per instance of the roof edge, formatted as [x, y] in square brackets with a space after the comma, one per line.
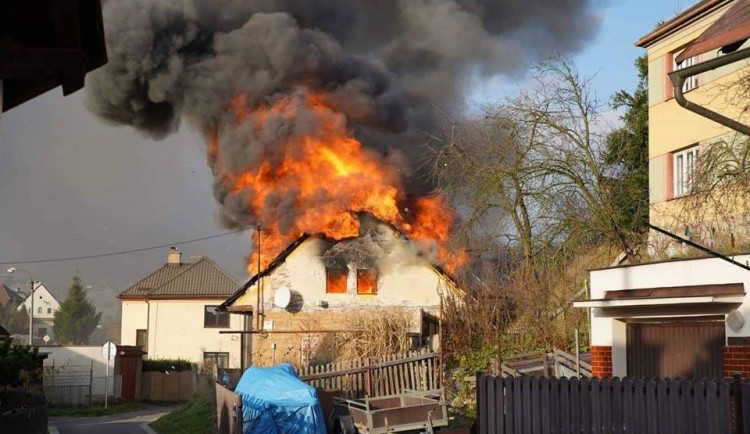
[688, 16]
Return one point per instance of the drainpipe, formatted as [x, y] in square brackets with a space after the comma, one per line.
[679, 76]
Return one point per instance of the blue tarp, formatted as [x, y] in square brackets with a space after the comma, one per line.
[275, 400]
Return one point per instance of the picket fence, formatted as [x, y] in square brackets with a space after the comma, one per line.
[378, 376]
[630, 405]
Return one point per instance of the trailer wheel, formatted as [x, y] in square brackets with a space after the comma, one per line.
[345, 425]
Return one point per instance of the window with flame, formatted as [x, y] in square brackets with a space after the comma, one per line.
[336, 280]
[367, 282]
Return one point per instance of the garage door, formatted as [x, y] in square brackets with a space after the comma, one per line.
[682, 349]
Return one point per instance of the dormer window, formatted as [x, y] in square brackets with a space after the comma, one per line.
[367, 281]
[336, 280]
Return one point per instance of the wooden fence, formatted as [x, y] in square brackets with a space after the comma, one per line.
[393, 374]
[551, 405]
[546, 363]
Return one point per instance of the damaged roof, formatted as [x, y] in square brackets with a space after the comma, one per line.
[281, 258]
[201, 278]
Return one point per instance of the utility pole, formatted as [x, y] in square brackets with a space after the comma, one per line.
[257, 284]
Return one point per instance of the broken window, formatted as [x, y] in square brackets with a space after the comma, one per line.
[336, 280]
[367, 281]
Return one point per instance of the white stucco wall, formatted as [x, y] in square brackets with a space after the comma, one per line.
[409, 283]
[175, 329]
[710, 271]
[78, 365]
[45, 305]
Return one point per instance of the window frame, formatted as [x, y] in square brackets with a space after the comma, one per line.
[216, 314]
[377, 276]
[684, 164]
[215, 356]
[692, 82]
[144, 332]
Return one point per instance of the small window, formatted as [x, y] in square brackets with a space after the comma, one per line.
[49, 310]
[220, 360]
[336, 280]
[367, 282]
[692, 81]
[213, 318]
[685, 164]
[39, 309]
[141, 339]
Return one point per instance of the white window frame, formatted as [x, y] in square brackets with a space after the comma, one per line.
[692, 81]
[684, 164]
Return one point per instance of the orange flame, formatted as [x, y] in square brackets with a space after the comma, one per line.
[330, 175]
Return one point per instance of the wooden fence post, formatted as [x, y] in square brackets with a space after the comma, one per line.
[368, 386]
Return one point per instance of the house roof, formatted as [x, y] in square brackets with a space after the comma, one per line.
[281, 258]
[201, 278]
[690, 15]
[732, 27]
[4, 333]
[10, 296]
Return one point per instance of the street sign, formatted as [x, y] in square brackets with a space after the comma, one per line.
[109, 350]
[46, 339]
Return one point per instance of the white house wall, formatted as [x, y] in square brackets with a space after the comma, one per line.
[175, 329]
[712, 271]
[409, 284]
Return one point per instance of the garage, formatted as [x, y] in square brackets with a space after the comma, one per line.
[675, 349]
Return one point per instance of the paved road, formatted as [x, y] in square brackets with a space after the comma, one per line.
[125, 423]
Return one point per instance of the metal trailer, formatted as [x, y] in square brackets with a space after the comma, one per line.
[409, 411]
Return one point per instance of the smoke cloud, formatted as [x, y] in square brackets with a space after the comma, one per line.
[384, 65]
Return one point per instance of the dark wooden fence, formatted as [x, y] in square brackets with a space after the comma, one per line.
[531, 405]
[389, 375]
[22, 412]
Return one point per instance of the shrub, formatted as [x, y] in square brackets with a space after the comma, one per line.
[162, 365]
[19, 364]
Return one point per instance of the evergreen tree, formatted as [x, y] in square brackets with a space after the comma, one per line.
[77, 318]
[627, 152]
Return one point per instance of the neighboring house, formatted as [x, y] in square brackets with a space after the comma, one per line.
[315, 283]
[45, 306]
[9, 297]
[171, 313]
[681, 317]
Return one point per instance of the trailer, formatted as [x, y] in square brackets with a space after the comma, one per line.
[409, 411]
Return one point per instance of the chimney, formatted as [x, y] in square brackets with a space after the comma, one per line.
[174, 256]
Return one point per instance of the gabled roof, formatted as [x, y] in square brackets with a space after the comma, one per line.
[10, 295]
[732, 27]
[689, 16]
[201, 278]
[281, 258]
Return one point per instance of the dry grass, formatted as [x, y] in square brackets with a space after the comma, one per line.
[379, 332]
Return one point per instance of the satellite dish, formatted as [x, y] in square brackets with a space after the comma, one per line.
[282, 297]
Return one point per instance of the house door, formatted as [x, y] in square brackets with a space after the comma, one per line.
[675, 349]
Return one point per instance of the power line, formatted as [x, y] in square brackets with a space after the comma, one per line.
[121, 252]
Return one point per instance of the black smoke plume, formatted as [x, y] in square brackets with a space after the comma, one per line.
[386, 64]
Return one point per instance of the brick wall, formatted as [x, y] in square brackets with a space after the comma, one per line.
[737, 359]
[601, 362]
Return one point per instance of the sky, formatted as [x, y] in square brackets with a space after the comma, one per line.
[71, 185]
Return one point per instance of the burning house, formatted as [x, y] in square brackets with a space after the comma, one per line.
[309, 290]
[313, 113]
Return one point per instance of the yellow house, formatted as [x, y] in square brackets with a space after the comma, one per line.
[318, 287]
[171, 313]
[684, 317]
[678, 137]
